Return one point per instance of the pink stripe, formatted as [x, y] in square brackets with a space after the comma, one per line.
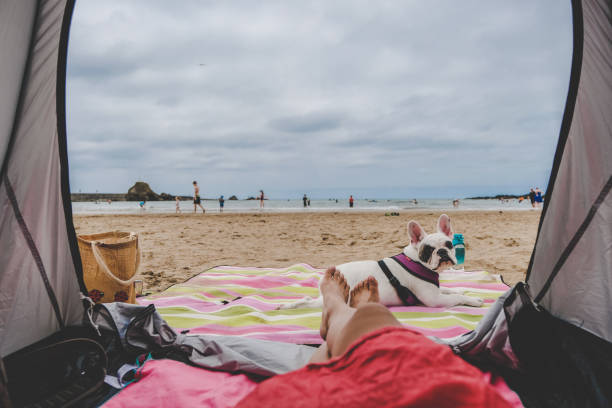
[476, 311]
[242, 330]
[250, 268]
[489, 286]
[312, 337]
[205, 275]
[162, 295]
[288, 335]
[260, 282]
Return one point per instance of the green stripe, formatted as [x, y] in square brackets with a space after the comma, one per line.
[420, 315]
[244, 320]
[235, 311]
[438, 324]
[312, 322]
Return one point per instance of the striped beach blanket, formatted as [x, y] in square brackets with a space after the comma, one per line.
[242, 301]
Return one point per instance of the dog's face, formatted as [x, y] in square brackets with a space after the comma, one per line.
[432, 250]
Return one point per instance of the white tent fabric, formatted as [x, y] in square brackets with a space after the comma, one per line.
[571, 271]
[39, 289]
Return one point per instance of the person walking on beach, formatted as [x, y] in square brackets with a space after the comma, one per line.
[221, 203]
[305, 199]
[538, 197]
[196, 198]
[351, 201]
[178, 205]
[261, 199]
[532, 195]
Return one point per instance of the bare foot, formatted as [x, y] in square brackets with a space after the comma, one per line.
[334, 290]
[364, 292]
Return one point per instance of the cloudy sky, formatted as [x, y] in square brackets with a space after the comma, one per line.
[392, 99]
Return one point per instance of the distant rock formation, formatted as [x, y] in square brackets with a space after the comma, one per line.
[498, 197]
[167, 197]
[233, 198]
[138, 192]
[141, 191]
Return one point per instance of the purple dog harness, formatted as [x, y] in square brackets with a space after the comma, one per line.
[408, 298]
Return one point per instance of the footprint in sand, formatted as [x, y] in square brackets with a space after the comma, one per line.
[511, 242]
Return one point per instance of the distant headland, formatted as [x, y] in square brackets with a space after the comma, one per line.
[499, 197]
[140, 191]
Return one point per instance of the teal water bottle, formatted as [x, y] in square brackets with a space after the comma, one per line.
[459, 248]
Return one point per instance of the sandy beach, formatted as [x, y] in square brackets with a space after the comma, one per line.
[177, 247]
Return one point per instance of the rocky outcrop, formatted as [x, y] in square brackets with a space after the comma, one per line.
[141, 191]
[138, 192]
[233, 198]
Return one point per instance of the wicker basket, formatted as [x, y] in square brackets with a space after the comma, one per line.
[110, 262]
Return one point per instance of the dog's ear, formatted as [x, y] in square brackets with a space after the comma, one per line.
[444, 225]
[416, 233]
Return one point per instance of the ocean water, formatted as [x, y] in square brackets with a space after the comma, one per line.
[285, 206]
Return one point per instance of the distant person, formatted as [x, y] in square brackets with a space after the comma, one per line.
[309, 202]
[261, 199]
[414, 201]
[520, 199]
[178, 204]
[109, 201]
[532, 195]
[351, 201]
[456, 202]
[538, 197]
[305, 200]
[142, 203]
[196, 198]
[221, 203]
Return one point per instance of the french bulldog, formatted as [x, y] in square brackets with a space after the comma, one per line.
[430, 252]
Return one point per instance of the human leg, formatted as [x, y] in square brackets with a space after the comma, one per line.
[342, 324]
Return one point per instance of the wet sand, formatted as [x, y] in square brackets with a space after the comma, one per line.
[177, 247]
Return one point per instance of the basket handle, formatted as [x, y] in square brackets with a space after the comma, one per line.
[107, 271]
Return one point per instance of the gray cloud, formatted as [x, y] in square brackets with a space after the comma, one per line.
[323, 96]
[309, 123]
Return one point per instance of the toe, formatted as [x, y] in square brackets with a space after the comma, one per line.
[340, 278]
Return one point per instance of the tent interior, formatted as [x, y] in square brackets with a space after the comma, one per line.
[549, 337]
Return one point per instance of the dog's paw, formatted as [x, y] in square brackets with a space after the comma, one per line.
[476, 302]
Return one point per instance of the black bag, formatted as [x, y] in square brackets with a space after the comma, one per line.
[62, 370]
[563, 365]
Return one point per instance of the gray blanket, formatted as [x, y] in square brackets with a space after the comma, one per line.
[142, 328]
